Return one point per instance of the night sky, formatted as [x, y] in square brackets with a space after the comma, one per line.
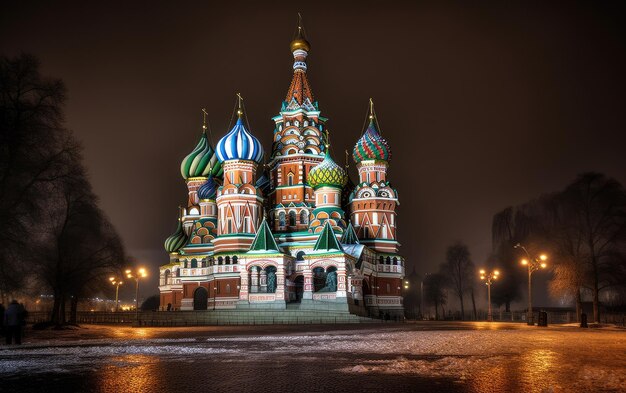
[484, 106]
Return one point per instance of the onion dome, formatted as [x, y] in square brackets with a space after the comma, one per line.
[371, 146]
[177, 240]
[208, 190]
[327, 173]
[239, 144]
[263, 183]
[201, 162]
[300, 42]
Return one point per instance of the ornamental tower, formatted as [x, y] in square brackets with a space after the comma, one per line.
[196, 168]
[239, 204]
[327, 179]
[297, 147]
[374, 201]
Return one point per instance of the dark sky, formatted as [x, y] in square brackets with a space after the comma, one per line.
[484, 106]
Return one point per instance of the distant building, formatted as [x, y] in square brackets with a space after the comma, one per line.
[263, 236]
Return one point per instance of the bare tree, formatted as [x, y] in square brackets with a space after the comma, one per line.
[48, 213]
[33, 152]
[435, 292]
[592, 228]
[459, 270]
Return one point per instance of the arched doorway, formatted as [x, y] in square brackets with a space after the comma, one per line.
[299, 287]
[200, 298]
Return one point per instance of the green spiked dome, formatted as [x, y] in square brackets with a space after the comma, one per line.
[177, 240]
[201, 162]
[371, 146]
[327, 173]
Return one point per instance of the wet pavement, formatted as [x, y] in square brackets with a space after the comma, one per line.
[421, 357]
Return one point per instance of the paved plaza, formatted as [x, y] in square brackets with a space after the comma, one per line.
[411, 357]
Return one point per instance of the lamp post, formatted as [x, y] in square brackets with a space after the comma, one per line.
[533, 264]
[140, 273]
[117, 284]
[489, 278]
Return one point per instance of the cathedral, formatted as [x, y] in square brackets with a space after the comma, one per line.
[288, 229]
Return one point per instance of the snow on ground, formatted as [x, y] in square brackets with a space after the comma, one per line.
[552, 359]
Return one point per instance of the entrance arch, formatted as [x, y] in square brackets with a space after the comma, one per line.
[200, 298]
[299, 287]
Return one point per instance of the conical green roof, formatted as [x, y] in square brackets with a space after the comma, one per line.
[327, 240]
[349, 235]
[264, 239]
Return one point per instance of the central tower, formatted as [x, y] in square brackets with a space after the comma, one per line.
[298, 146]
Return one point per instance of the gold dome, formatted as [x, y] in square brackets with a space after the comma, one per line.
[300, 42]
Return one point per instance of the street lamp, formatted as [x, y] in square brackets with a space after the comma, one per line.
[140, 273]
[117, 284]
[489, 278]
[533, 264]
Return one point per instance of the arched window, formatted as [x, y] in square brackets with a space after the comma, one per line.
[388, 288]
[166, 277]
[381, 260]
[388, 261]
[281, 219]
[194, 263]
[292, 218]
[304, 217]
[235, 260]
[220, 260]
[325, 197]
[395, 260]
[299, 256]
[290, 179]
[227, 288]
[228, 260]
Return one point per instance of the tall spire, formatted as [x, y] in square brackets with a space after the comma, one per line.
[299, 93]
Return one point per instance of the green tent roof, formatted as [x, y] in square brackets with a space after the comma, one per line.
[327, 240]
[264, 240]
[349, 235]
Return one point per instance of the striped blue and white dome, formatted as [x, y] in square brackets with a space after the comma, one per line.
[239, 144]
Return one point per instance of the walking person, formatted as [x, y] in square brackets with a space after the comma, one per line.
[1, 319]
[14, 319]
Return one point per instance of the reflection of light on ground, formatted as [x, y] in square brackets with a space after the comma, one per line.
[131, 333]
[492, 379]
[134, 373]
[538, 368]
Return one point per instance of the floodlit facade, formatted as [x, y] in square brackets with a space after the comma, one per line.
[288, 229]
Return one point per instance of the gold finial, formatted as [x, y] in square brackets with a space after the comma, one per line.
[204, 113]
[300, 41]
[347, 159]
[371, 109]
[239, 106]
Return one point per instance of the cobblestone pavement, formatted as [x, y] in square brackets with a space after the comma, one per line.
[419, 357]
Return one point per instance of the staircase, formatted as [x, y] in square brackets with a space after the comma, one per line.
[292, 315]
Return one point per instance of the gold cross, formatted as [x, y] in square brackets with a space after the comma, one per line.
[204, 114]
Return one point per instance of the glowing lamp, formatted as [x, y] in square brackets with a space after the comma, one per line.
[543, 265]
[524, 262]
[543, 257]
[482, 271]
